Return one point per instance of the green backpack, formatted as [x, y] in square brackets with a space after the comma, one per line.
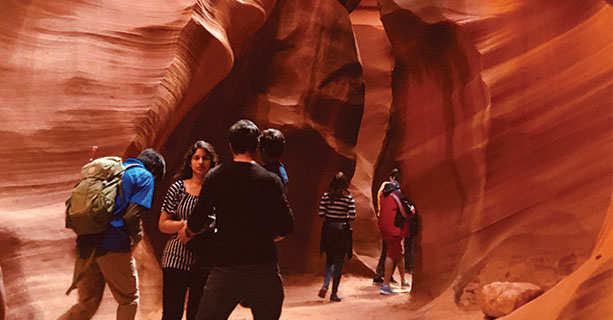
[89, 209]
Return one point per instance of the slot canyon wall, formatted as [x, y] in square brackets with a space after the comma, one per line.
[499, 115]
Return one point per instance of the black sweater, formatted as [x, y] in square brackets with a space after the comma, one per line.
[251, 210]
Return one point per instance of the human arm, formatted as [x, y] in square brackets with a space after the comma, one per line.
[282, 212]
[323, 205]
[169, 226]
[351, 212]
[137, 188]
[379, 193]
[166, 223]
[133, 222]
[199, 218]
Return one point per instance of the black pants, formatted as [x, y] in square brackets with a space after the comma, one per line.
[409, 247]
[260, 285]
[334, 268]
[381, 265]
[175, 285]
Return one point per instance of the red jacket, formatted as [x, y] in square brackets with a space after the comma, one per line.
[387, 212]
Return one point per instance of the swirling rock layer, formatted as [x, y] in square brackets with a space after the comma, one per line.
[496, 111]
[498, 114]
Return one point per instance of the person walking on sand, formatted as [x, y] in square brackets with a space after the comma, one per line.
[106, 258]
[338, 208]
[393, 229]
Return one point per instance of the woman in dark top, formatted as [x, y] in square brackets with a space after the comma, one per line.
[338, 208]
[181, 270]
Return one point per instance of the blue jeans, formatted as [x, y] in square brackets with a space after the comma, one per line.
[261, 285]
[334, 268]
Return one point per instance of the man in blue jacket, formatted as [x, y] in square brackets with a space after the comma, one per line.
[111, 259]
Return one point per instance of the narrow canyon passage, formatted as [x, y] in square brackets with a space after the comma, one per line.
[498, 115]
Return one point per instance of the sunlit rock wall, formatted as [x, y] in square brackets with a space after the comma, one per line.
[73, 74]
[127, 76]
[501, 124]
[498, 113]
[286, 79]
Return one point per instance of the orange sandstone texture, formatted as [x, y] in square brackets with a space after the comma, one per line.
[73, 74]
[499, 115]
[501, 125]
[300, 73]
[377, 62]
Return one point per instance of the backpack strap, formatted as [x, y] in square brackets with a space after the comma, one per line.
[400, 206]
[120, 181]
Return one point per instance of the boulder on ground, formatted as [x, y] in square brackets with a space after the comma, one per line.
[502, 298]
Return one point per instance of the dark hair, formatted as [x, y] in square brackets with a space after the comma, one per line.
[338, 187]
[272, 142]
[186, 168]
[394, 174]
[243, 136]
[154, 162]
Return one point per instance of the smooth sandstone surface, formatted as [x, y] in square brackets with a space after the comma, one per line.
[499, 115]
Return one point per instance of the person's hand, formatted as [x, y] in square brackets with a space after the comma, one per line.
[182, 234]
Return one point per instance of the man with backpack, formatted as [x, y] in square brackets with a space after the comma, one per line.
[106, 257]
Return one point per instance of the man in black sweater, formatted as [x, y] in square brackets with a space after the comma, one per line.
[251, 210]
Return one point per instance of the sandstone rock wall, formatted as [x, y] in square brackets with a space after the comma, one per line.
[492, 148]
[499, 115]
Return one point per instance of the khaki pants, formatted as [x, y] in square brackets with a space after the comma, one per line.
[119, 271]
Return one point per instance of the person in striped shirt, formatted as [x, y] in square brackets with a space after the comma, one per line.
[180, 272]
[338, 208]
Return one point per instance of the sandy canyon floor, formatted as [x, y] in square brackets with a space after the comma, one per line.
[361, 300]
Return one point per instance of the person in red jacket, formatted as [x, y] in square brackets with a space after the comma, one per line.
[390, 198]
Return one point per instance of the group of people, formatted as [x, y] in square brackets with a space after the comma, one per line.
[396, 222]
[223, 221]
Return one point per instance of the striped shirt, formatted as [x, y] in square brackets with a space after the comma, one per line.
[339, 208]
[179, 204]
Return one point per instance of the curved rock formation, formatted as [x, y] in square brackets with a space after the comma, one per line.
[74, 74]
[500, 187]
[205, 54]
[584, 293]
[2, 296]
[285, 80]
[498, 114]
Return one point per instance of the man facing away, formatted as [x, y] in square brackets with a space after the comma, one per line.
[392, 230]
[251, 210]
[272, 143]
[112, 261]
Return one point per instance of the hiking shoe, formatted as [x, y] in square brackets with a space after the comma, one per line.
[378, 280]
[335, 297]
[386, 289]
[322, 293]
[405, 284]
